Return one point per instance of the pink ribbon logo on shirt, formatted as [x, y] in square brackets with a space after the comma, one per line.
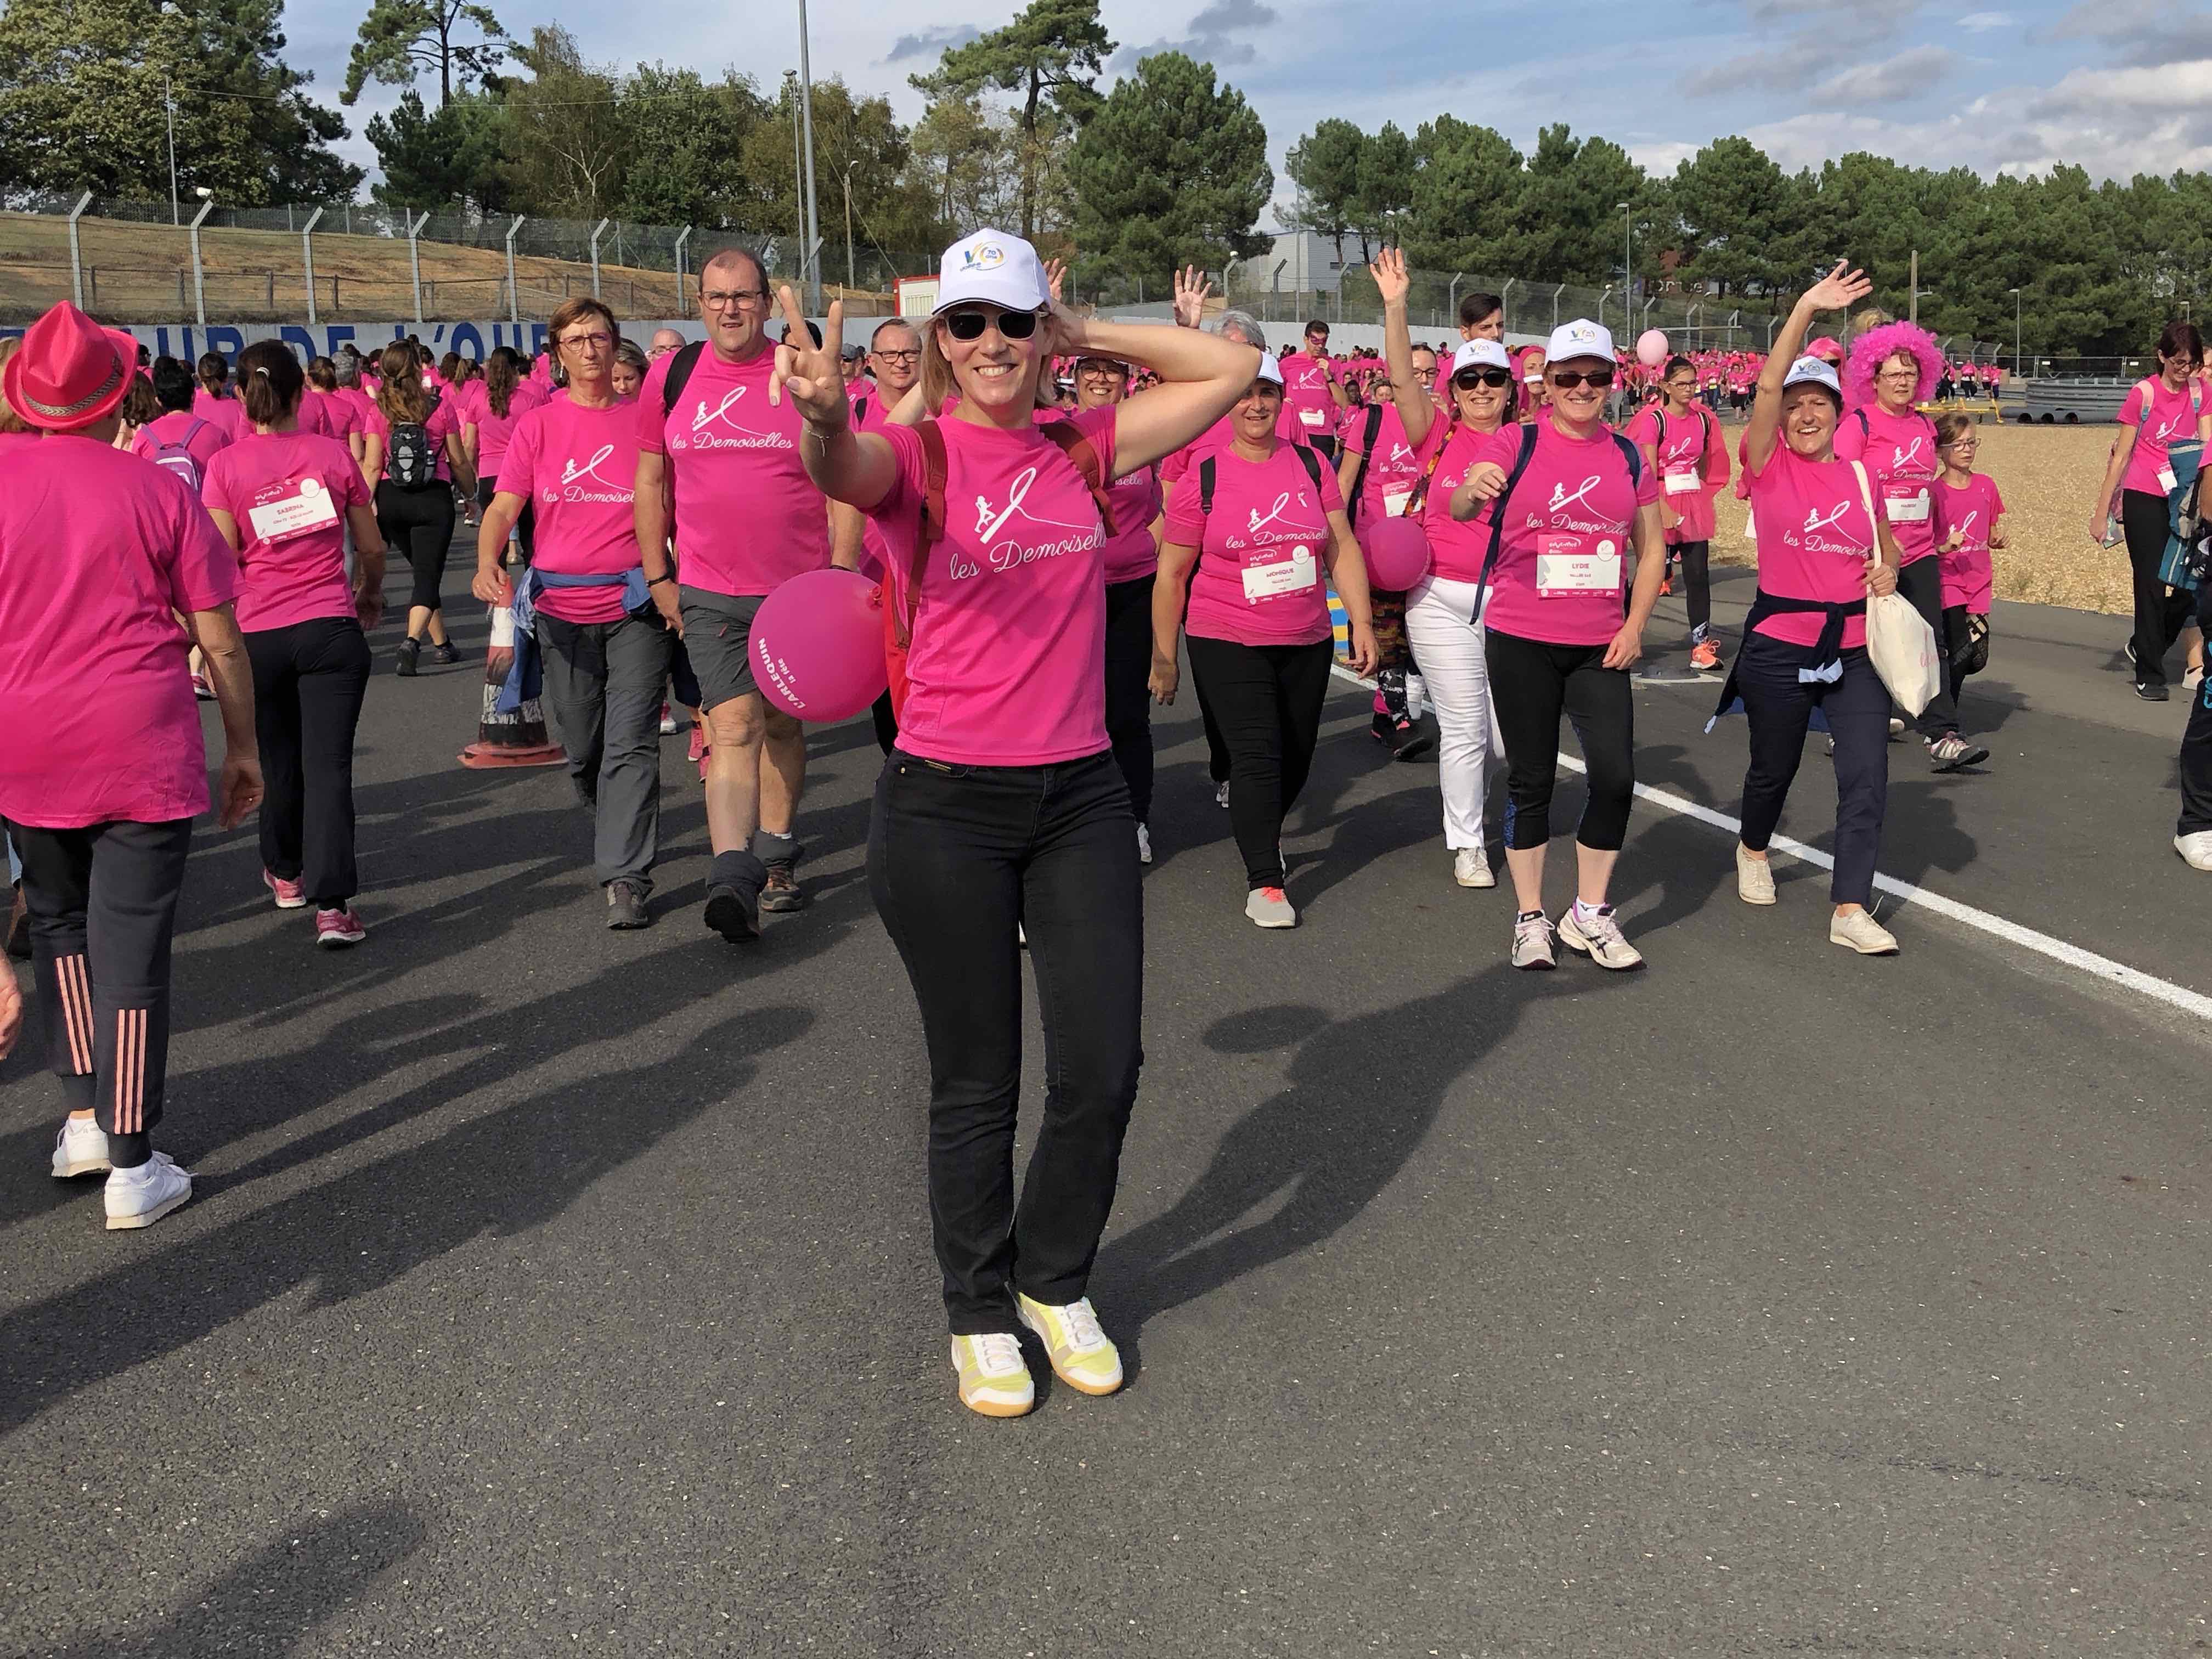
[1816, 519]
[570, 471]
[1907, 454]
[1561, 500]
[1262, 521]
[989, 521]
[703, 417]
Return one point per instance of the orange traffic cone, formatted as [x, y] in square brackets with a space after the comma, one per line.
[515, 739]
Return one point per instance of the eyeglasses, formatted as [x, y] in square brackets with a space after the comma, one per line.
[900, 356]
[598, 341]
[742, 299]
[970, 324]
[1566, 379]
[1102, 370]
[1468, 378]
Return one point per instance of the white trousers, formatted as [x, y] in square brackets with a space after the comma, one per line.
[1447, 642]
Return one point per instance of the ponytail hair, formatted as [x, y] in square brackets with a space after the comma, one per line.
[502, 374]
[270, 381]
[214, 371]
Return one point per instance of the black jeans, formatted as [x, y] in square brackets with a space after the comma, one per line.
[1951, 639]
[103, 905]
[1780, 709]
[2197, 763]
[1922, 583]
[1267, 699]
[1128, 687]
[308, 683]
[2160, 613]
[419, 523]
[1531, 684]
[959, 856]
[1697, 584]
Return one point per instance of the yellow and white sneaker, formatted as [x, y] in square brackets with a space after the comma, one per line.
[1081, 1355]
[993, 1378]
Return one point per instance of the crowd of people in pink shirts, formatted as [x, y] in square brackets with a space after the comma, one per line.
[1056, 518]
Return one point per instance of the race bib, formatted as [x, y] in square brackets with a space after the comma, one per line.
[1572, 567]
[1314, 416]
[2166, 481]
[1905, 504]
[1393, 502]
[1270, 575]
[294, 508]
[1681, 480]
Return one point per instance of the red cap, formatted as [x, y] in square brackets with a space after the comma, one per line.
[70, 372]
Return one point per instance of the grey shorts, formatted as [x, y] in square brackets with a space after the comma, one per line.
[718, 631]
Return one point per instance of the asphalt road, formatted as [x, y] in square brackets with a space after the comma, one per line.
[552, 1290]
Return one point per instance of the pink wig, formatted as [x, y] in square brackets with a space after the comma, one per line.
[1877, 346]
[1824, 349]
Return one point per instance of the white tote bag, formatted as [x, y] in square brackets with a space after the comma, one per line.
[1899, 642]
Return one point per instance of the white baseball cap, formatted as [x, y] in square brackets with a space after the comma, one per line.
[1269, 370]
[1580, 338]
[1480, 354]
[994, 267]
[1811, 371]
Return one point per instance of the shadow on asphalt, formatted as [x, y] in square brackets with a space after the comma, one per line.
[500, 1173]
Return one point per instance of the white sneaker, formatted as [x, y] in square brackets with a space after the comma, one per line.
[1598, 936]
[1144, 845]
[994, 1379]
[1268, 907]
[1221, 793]
[1471, 868]
[1896, 728]
[1755, 878]
[1860, 932]
[141, 1197]
[2195, 848]
[80, 1149]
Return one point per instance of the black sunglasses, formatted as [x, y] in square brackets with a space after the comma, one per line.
[1468, 378]
[970, 325]
[1568, 378]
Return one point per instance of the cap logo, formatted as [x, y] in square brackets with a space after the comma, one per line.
[986, 256]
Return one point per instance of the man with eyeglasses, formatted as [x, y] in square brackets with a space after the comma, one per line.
[665, 340]
[1313, 393]
[894, 369]
[723, 460]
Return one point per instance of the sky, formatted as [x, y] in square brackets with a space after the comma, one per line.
[2119, 86]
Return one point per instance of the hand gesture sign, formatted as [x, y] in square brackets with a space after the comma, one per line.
[1840, 289]
[808, 372]
[1192, 288]
[1392, 281]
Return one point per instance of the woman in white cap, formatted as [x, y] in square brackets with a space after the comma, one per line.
[1244, 546]
[100, 555]
[1441, 621]
[1001, 804]
[1822, 554]
[1569, 502]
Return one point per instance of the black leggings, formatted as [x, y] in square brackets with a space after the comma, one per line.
[1128, 687]
[1267, 699]
[419, 524]
[1531, 683]
[2160, 612]
[308, 683]
[1921, 583]
[524, 525]
[1696, 584]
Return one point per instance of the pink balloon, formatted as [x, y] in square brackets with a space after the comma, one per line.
[1397, 554]
[1651, 347]
[817, 645]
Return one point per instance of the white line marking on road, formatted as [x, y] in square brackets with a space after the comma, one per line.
[2058, 950]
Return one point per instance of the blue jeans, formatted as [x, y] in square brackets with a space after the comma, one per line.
[1779, 706]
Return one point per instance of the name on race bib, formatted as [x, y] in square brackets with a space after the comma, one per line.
[1393, 502]
[295, 507]
[1272, 575]
[2166, 481]
[1313, 417]
[1905, 504]
[1572, 567]
[1681, 480]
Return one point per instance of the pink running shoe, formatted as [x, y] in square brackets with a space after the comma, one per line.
[337, 928]
[290, 896]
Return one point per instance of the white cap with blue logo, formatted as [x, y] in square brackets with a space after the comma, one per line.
[991, 267]
[1580, 338]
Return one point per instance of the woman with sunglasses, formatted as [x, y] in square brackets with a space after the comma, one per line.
[1243, 548]
[1001, 804]
[1569, 500]
[1681, 445]
[1442, 624]
[1132, 562]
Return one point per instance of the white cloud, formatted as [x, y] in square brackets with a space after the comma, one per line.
[1908, 75]
[1981, 22]
[2117, 149]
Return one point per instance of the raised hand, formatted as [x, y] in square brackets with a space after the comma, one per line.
[808, 372]
[1840, 289]
[1192, 288]
[1392, 281]
[1056, 278]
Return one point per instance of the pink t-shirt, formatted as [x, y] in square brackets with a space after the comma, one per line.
[202, 439]
[1011, 624]
[1562, 563]
[577, 468]
[225, 411]
[1392, 469]
[443, 424]
[288, 492]
[1690, 450]
[1262, 552]
[97, 550]
[493, 431]
[1219, 435]
[1307, 404]
[1814, 538]
[1972, 509]
[748, 518]
[1458, 547]
[1136, 501]
[1899, 452]
[2173, 416]
[340, 417]
[362, 399]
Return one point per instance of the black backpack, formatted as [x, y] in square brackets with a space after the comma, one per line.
[679, 373]
[1372, 430]
[411, 459]
[1206, 477]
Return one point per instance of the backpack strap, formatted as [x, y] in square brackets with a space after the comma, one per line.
[1206, 488]
[860, 410]
[680, 368]
[1865, 431]
[1497, 513]
[1313, 467]
[930, 530]
[1371, 432]
[1419, 498]
[192, 432]
[1634, 457]
[1078, 448]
